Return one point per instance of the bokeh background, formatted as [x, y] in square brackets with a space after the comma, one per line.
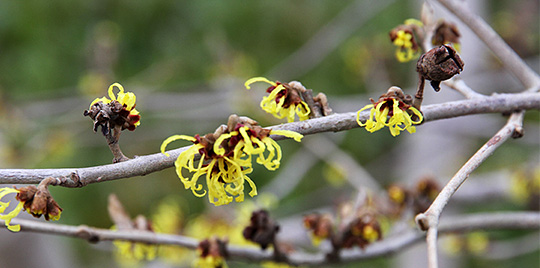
[187, 60]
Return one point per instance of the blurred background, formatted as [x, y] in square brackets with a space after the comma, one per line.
[187, 62]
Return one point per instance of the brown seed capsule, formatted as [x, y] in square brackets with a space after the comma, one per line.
[439, 64]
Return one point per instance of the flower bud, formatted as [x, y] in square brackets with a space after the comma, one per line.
[261, 230]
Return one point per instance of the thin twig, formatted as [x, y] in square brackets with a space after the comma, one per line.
[429, 220]
[388, 246]
[143, 165]
[509, 59]
[460, 86]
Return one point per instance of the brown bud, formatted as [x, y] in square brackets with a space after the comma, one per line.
[214, 247]
[261, 230]
[362, 231]
[445, 33]
[400, 198]
[38, 201]
[439, 64]
[426, 191]
[321, 225]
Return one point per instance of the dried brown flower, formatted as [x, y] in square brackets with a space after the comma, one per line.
[439, 64]
[261, 230]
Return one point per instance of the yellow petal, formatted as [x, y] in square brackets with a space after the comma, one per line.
[414, 22]
[111, 88]
[174, 138]
[287, 133]
[258, 79]
[369, 106]
[218, 149]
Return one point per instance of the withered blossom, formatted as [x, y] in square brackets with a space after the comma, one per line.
[261, 229]
[439, 64]
[36, 201]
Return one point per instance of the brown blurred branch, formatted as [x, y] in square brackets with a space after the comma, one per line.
[142, 165]
[388, 246]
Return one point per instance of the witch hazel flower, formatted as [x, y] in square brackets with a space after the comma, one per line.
[37, 201]
[393, 110]
[403, 37]
[224, 158]
[284, 101]
[117, 110]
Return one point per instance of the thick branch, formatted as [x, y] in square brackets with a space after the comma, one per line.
[431, 217]
[429, 220]
[388, 246]
[140, 166]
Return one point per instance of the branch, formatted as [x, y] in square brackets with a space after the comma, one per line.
[429, 220]
[142, 165]
[388, 246]
[510, 60]
[460, 86]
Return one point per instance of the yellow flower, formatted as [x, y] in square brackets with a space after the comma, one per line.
[477, 242]
[405, 52]
[403, 37]
[225, 161]
[271, 264]
[396, 194]
[127, 99]
[210, 262]
[399, 120]
[129, 253]
[9, 216]
[370, 234]
[168, 219]
[211, 253]
[283, 100]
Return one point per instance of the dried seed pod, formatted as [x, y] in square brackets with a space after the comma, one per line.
[439, 64]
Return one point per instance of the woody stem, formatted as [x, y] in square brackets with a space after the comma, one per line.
[419, 96]
[112, 140]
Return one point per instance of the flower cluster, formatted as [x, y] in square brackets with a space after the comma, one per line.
[418, 198]
[361, 229]
[117, 112]
[320, 226]
[283, 101]
[36, 201]
[403, 36]
[476, 243]
[130, 253]
[394, 110]
[262, 229]
[226, 158]
[525, 187]
[212, 253]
